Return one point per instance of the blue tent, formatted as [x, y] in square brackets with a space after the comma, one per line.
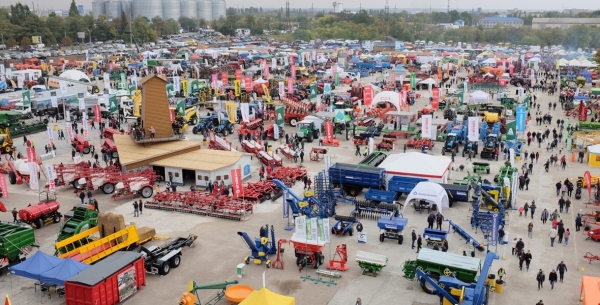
[35, 265]
[62, 272]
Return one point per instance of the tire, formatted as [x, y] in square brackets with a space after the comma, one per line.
[56, 218]
[309, 138]
[268, 264]
[38, 223]
[194, 131]
[426, 286]
[194, 120]
[400, 239]
[381, 237]
[247, 260]
[7, 149]
[352, 191]
[347, 135]
[350, 232]
[114, 154]
[76, 184]
[86, 150]
[175, 261]
[146, 192]
[108, 188]
[12, 178]
[293, 122]
[488, 170]
[46, 120]
[225, 132]
[333, 231]
[164, 269]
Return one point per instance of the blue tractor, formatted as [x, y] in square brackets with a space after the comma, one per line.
[225, 127]
[204, 125]
[472, 146]
[491, 145]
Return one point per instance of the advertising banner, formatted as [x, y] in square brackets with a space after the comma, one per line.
[248, 83]
[521, 117]
[236, 182]
[426, 125]
[97, 114]
[53, 99]
[368, 95]
[81, 98]
[224, 78]
[588, 180]
[313, 90]
[215, 81]
[435, 101]
[237, 87]
[127, 283]
[69, 131]
[280, 112]
[511, 130]
[33, 177]
[582, 112]
[281, 89]
[51, 176]
[413, 81]
[329, 131]
[290, 85]
[50, 135]
[106, 78]
[63, 86]
[293, 71]
[238, 75]
[3, 187]
[286, 206]
[26, 98]
[473, 129]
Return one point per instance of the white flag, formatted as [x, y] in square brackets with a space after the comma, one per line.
[426, 125]
[473, 129]
[245, 108]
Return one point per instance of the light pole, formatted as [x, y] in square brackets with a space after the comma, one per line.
[2, 37]
[90, 32]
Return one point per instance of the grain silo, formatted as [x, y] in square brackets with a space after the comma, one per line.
[113, 9]
[219, 9]
[170, 9]
[205, 10]
[189, 8]
[126, 7]
[98, 8]
[147, 8]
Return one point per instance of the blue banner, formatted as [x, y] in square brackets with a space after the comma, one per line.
[495, 229]
[521, 117]
[286, 206]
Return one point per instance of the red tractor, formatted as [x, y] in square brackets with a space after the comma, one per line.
[80, 144]
[268, 133]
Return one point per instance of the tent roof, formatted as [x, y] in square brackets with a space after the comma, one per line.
[416, 164]
[39, 263]
[74, 75]
[267, 297]
[429, 81]
[590, 290]
[62, 272]
[594, 149]
[430, 191]
[206, 160]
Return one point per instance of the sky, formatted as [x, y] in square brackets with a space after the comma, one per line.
[349, 4]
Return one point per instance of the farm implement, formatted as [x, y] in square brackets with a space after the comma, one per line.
[345, 225]
[374, 210]
[269, 159]
[251, 146]
[288, 175]
[287, 151]
[370, 263]
[419, 143]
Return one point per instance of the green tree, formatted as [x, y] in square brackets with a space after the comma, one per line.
[302, 35]
[18, 13]
[171, 27]
[142, 31]
[158, 24]
[188, 24]
[73, 25]
[4, 14]
[66, 41]
[578, 36]
[73, 11]
[11, 42]
[104, 30]
[123, 24]
[25, 43]
[56, 24]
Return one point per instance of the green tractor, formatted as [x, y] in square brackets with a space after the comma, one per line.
[344, 122]
[308, 131]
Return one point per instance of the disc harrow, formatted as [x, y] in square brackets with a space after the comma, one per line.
[374, 210]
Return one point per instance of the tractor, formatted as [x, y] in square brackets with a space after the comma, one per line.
[205, 124]
[471, 145]
[347, 124]
[308, 131]
[451, 143]
[491, 144]
[225, 127]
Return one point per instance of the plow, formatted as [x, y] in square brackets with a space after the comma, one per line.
[589, 256]
[269, 159]
[287, 151]
[251, 146]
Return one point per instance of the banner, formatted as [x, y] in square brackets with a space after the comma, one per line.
[245, 109]
[286, 205]
[313, 90]
[195, 86]
[426, 125]
[184, 86]
[231, 112]
[172, 115]
[176, 84]
[84, 123]
[280, 112]
[236, 183]
[336, 79]
[266, 72]
[50, 135]
[511, 130]
[473, 129]
[582, 111]
[3, 186]
[435, 101]
[26, 98]
[290, 85]
[123, 78]
[53, 99]
[275, 132]
[134, 80]
[238, 75]
[69, 130]
[33, 177]
[274, 63]
[20, 82]
[404, 94]
[329, 131]
[521, 117]
[106, 78]
[97, 114]
[51, 176]
[588, 180]
[114, 107]
[180, 108]
[301, 227]
[81, 98]
[215, 81]
[327, 88]
[224, 78]
[293, 71]
[237, 87]
[368, 95]
[281, 89]
[248, 83]
[413, 81]
[31, 156]
[495, 224]
[394, 80]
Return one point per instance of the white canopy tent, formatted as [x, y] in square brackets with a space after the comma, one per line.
[431, 192]
[479, 97]
[489, 61]
[387, 96]
[260, 81]
[429, 81]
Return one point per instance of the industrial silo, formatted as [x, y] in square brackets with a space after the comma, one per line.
[98, 8]
[113, 9]
[126, 7]
[205, 10]
[189, 8]
[170, 9]
[219, 9]
[147, 8]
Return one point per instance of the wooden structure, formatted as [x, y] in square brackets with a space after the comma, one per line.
[155, 108]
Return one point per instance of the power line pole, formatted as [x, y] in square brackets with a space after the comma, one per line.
[387, 10]
[287, 15]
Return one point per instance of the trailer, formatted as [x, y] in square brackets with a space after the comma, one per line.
[392, 227]
[80, 144]
[160, 260]
[457, 193]
[403, 185]
[381, 196]
[45, 212]
[16, 239]
[353, 178]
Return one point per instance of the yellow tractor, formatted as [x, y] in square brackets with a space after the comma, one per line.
[6, 142]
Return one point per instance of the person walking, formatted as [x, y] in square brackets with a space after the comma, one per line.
[562, 268]
[305, 180]
[419, 243]
[521, 259]
[141, 207]
[135, 209]
[545, 215]
[552, 277]
[578, 223]
[528, 258]
[301, 156]
[567, 205]
[89, 196]
[540, 303]
[514, 247]
[95, 202]
[526, 208]
[430, 221]
[82, 196]
[566, 236]
[561, 204]
[14, 213]
[530, 230]
[552, 234]
[309, 182]
[439, 219]
[561, 232]
[532, 208]
[541, 278]
[413, 235]
[357, 152]
[501, 273]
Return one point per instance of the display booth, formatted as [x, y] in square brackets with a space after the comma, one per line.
[431, 192]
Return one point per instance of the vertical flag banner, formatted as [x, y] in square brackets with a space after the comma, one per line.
[301, 227]
[176, 84]
[313, 90]
[134, 80]
[588, 180]
[231, 112]
[286, 205]
[290, 85]
[413, 81]
[236, 182]
[50, 135]
[327, 88]
[245, 109]
[336, 79]
[97, 114]
[281, 89]
[20, 82]
[106, 78]
[224, 78]
[279, 111]
[181, 108]
[426, 125]
[3, 186]
[520, 117]
[33, 168]
[84, 123]
[329, 131]
[368, 95]
[69, 131]
[172, 115]
[215, 81]
[26, 98]
[123, 78]
[266, 72]
[274, 63]
[81, 98]
[275, 132]
[511, 130]
[473, 129]
[170, 91]
[237, 87]
[293, 71]
[53, 99]
[51, 177]
[435, 101]
[238, 75]
[582, 111]
[114, 107]
[394, 80]
[248, 83]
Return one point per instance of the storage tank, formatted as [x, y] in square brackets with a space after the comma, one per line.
[147, 8]
[219, 9]
[126, 7]
[113, 9]
[39, 210]
[171, 9]
[205, 10]
[189, 8]
[98, 9]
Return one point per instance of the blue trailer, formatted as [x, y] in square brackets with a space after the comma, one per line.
[403, 185]
[354, 178]
[391, 227]
[381, 196]
[457, 193]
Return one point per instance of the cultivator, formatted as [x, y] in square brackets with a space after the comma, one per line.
[386, 144]
[360, 140]
[204, 204]
[398, 134]
[252, 125]
[251, 146]
[287, 151]
[317, 154]
[269, 159]
[374, 210]
[288, 175]
[293, 104]
[220, 144]
[419, 143]
[261, 191]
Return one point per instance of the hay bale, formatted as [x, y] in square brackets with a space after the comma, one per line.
[110, 223]
[146, 233]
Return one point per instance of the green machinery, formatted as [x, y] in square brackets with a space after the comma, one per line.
[505, 172]
[588, 126]
[193, 288]
[479, 167]
[370, 263]
[468, 179]
[16, 239]
[347, 124]
[308, 131]
[12, 120]
[82, 217]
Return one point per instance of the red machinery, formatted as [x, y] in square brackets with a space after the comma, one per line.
[269, 159]
[109, 132]
[325, 141]
[41, 213]
[19, 171]
[308, 254]
[419, 143]
[342, 254]
[251, 146]
[71, 173]
[288, 175]
[252, 125]
[589, 256]
[594, 234]
[366, 122]
[81, 144]
[360, 140]
[270, 135]
[386, 144]
[261, 191]
[317, 154]
[110, 148]
[219, 143]
[293, 116]
[278, 263]
[135, 183]
[398, 134]
[287, 151]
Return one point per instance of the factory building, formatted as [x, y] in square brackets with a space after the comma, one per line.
[166, 9]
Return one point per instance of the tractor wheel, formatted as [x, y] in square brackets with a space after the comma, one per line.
[175, 261]
[7, 149]
[463, 154]
[86, 150]
[247, 260]
[194, 120]
[353, 191]
[108, 188]
[164, 269]
[443, 151]
[293, 122]
[309, 138]
[225, 132]
[56, 218]
[381, 237]
[347, 135]
[147, 191]
[194, 131]
[268, 264]
[76, 184]
[46, 120]
[114, 154]
[38, 223]
[488, 170]
[426, 286]
[350, 232]
[12, 178]
[333, 231]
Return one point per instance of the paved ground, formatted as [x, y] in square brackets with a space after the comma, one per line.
[219, 249]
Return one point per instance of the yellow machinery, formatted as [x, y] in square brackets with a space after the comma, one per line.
[458, 293]
[83, 248]
[190, 117]
[7, 142]
[491, 117]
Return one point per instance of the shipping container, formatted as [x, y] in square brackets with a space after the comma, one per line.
[107, 282]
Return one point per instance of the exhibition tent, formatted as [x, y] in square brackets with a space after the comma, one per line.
[62, 272]
[589, 293]
[387, 96]
[267, 297]
[36, 265]
[430, 191]
[479, 97]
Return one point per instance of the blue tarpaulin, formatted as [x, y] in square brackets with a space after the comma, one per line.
[62, 272]
[36, 265]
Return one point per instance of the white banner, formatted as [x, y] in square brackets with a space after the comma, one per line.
[286, 61]
[300, 224]
[326, 229]
[281, 89]
[50, 171]
[176, 84]
[245, 108]
[33, 177]
[134, 80]
[53, 99]
[426, 126]
[84, 122]
[273, 63]
[512, 157]
[63, 86]
[106, 77]
[70, 131]
[466, 90]
[275, 132]
[81, 101]
[313, 229]
[327, 162]
[50, 135]
[473, 133]
[371, 145]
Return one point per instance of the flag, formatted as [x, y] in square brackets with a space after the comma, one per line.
[236, 182]
[368, 95]
[426, 125]
[473, 129]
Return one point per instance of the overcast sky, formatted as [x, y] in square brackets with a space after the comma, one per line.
[440, 4]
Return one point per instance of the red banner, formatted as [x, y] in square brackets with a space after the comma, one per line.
[293, 69]
[290, 84]
[51, 186]
[405, 98]
[367, 95]
[588, 180]
[97, 114]
[582, 111]
[248, 83]
[236, 182]
[266, 72]
[394, 79]
[329, 131]
[172, 114]
[238, 75]
[3, 186]
[215, 81]
[435, 102]
[31, 157]
[224, 78]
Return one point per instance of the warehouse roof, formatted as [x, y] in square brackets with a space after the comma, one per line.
[202, 160]
[501, 19]
[105, 268]
[131, 152]
[416, 164]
